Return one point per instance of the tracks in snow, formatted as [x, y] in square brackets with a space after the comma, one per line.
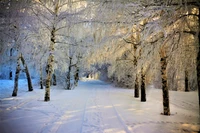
[101, 115]
[94, 107]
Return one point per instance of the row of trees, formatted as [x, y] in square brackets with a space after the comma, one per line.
[161, 46]
[47, 29]
[133, 42]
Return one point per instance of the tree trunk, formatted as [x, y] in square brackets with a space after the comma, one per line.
[41, 79]
[49, 68]
[47, 89]
[16, 76]
[136, 87]
[48, 78]
[186, 82]
[143, 89]
[198, 68]
[50, 61]
[10, 75]
[54, 79]
[68, 81]
[136, 93]
[198, 76]
[76, 76]
[68, 74]
[30, 87]
[165, 90]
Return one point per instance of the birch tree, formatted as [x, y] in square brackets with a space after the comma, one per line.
[15, 15]
[52, 9]
[161, 26]
[57, 16]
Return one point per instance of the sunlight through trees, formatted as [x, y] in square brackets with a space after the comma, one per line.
[132, 43]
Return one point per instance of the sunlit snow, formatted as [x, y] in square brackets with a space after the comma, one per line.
[94, 107]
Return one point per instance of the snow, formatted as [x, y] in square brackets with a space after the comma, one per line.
[94, 107]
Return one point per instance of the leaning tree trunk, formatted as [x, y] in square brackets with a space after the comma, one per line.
[41, 79]
[143, 89]
[186, 82]
[16, 76]
[30, 87]
[68, 74]
[136, 93]
[163, 62]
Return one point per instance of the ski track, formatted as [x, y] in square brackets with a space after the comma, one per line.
[95, 107]
[92, 117]
[119, 117]
[61, 115]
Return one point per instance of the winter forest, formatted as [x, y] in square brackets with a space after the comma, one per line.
[99, 66]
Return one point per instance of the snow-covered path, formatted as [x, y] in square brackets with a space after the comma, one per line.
[95, 107]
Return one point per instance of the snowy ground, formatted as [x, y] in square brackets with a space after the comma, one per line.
[94, 107]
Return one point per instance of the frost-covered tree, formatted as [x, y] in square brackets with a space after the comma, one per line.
[60, 17]
[133, 43]
[14, 30]
[161, 36]
[171, 34]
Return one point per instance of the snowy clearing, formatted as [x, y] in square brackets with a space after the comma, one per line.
[94, 107]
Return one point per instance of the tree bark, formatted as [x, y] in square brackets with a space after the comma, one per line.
[48, 78]
[198, 67]
[49, 68]
[68, 74]
[198, 76]
[50, 61]
[165, 90]
[41, 79]
[18, 69]
[136, 93]
[186, 82]
[30, 87]
[76, 76]
[16, 76]
[54, 79]
[143, 89]
[10, 75]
